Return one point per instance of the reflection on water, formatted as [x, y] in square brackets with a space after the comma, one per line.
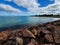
[40, 20]
[14, 20]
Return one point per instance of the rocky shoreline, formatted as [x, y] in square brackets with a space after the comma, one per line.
[42, 34]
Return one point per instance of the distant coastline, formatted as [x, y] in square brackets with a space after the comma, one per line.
[48, 15]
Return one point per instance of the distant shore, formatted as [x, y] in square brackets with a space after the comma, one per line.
[53, 16]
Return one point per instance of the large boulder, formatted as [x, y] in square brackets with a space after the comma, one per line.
[5, 34]
[27, 33]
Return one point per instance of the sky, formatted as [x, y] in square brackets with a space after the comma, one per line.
[28, 7]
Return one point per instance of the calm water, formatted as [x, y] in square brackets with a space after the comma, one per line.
[16, 20]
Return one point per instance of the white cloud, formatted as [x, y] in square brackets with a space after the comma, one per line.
[8, 8]
[33, 7]
[57, 1]
[53, 8]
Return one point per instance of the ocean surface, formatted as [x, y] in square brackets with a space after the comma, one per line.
[6, 21]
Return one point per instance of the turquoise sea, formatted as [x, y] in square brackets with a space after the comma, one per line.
[6, 21]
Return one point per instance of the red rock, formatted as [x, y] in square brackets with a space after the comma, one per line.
[33, 42]
[47, 44]
[27, 33]
[57, 27]
[34, 31]
[5, 34]
[46, 31]
[49, 38]
[57, 38]
[39, 30]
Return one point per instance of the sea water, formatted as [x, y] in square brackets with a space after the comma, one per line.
[6, 21]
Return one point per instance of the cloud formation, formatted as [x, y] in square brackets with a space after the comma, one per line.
[33, 7]
[53, 8]
[8, 8]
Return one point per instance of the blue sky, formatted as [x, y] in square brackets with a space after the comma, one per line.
[27, 7]
[45, 2]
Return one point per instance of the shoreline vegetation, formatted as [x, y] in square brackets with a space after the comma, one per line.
[48, 15]
[41, 34]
